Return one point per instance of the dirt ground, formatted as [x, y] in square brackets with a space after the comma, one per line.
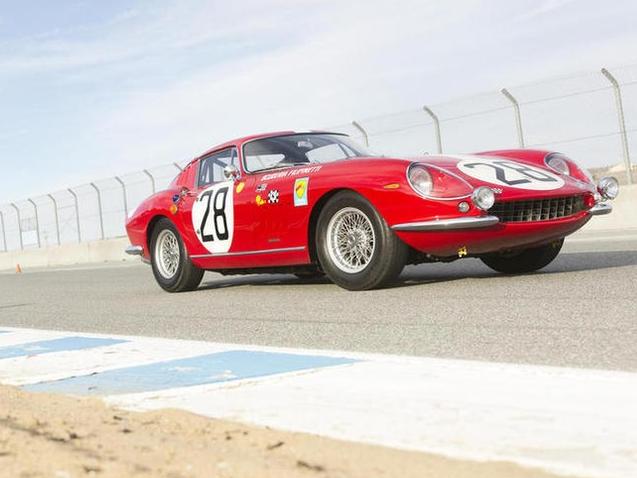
[55, 436]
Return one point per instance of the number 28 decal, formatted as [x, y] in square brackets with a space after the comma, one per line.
[213, 217]
[512, 174]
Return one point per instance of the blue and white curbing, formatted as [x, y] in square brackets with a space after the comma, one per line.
[569, 421]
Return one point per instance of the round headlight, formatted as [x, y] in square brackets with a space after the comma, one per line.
[420, 179]
[558, 164]
[483, 197]
[608, 187]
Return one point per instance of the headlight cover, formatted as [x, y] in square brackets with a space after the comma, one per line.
[434, 182]
[420, 179]
[558, 164]
[563, 165]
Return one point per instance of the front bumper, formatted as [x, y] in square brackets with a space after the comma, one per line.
[134, 250]
[448, 224]
[496, 237]
[600, 209]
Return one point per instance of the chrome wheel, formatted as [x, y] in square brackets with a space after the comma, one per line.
[167, 254]
[351, 240]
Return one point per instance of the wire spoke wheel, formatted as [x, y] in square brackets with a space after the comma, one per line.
[351, 240]
[167, 254]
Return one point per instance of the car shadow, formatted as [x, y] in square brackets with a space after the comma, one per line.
[423, 274]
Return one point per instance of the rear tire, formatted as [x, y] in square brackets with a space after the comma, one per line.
[527, 260]
[355, 247]
[171, 265]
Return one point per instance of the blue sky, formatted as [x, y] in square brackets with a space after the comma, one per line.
[90, 89]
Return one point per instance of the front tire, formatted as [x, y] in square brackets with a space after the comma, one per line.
[171, 265]
[355, 247]
[527, 260]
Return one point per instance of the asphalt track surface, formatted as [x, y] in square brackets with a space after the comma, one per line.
[581, 311]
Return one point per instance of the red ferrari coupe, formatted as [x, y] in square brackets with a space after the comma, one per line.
[316, 203]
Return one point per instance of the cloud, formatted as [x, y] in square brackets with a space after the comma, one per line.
[136, 33]
[308, 83]
[164, 81]
[544, 8]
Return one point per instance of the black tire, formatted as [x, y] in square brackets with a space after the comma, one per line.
[388, 256]
[526, 260]
[187, 276]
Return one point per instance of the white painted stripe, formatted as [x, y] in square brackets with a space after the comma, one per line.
[55, 366]
[563, 420]
[571, 421]
[22, 336]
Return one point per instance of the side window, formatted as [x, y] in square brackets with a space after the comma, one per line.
[211, 167]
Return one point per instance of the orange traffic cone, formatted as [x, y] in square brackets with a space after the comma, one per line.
[18, 269]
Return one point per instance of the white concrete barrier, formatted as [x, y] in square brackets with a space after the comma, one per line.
[91, 252]
[622, 219]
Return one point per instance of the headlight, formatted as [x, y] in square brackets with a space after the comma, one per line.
[608, 187]
[435, 182]
[558, 164]
[420, 179]
[483, 197]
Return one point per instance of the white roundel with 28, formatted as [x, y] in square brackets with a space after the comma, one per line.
[508, 173]
[213, 217]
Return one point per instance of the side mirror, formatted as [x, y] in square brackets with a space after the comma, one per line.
[231, 172]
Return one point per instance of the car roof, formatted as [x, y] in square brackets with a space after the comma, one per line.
[244, 139]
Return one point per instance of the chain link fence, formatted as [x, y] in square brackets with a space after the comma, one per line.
[591, 117]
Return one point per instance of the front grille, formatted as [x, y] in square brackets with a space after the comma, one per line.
[537, 209]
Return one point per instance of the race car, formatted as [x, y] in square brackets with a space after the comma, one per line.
[314, 203]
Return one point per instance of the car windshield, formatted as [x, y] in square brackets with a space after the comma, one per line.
[298, 149]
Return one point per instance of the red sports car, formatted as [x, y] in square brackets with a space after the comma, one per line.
[316, 203]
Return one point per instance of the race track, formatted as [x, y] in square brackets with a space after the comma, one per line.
[581, 311]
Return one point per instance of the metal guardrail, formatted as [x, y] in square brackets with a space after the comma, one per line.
[546, 115]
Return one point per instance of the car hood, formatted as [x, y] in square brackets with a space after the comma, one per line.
[510, 178]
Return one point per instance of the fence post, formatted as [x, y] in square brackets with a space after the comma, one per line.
[178, 167]
[17, 211]
[57, 219]
[152, 179]
[434, 117]
[118, 179]
[99, 207]
[37, 221]
[4, 233]
[622, 123]
[363, 132]
[518, 115]
[77, 214]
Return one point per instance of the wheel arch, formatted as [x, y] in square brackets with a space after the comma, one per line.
[150, 228]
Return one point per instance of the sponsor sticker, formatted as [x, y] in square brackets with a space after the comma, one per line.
[289, 173]
[273, 196]
[213, 217]
[300, 191]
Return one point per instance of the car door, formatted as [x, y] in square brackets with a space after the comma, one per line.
[215, 211]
